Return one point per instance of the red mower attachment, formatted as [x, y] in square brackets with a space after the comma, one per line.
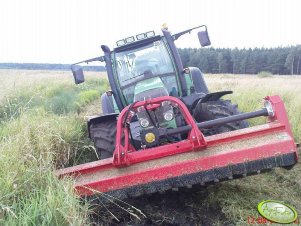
[194, 160]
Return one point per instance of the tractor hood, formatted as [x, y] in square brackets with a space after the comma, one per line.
[150, 88]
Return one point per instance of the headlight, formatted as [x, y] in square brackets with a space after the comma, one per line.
[144, 122]
[168, 116]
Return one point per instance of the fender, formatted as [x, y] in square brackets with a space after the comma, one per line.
[198, 80]
[215, 96]
[107, 104]
[208, 97]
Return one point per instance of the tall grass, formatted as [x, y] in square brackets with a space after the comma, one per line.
[238, 199]
[249, 92]
[41, 130]
[30, 148]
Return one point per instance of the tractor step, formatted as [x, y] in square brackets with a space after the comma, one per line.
[228, 155]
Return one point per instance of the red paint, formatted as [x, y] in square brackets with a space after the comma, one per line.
[121, 153]
[194, 142]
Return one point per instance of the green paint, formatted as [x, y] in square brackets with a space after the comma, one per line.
[148, 84]
[169, 124]
[277, 211]
[188, 82]
[115, 105]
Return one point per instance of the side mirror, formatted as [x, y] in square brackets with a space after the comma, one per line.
[78, 74]
[204, 38]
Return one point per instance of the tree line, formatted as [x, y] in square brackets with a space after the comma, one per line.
[281, 60]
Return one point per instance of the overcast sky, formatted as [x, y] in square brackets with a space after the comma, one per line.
[58, 31]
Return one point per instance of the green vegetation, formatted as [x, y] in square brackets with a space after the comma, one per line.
[238, 199]
[281, 60]
[249, 92]
[30, 148]
[41, 130]
[264, 74]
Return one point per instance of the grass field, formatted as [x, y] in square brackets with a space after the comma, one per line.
[42, 128]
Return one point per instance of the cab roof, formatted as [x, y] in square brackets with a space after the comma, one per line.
[137, 44]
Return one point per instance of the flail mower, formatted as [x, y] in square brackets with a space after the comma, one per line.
[162, 129]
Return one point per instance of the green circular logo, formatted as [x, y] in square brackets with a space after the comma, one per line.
[277, 211]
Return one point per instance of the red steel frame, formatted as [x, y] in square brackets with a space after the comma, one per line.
[126, 155]
[122, 156]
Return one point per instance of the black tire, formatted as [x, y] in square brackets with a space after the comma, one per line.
[104, 137]
[218, 109]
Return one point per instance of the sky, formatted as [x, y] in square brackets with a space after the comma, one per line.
[67, 31]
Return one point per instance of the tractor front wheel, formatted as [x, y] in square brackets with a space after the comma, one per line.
[104, 135]
[218, 109]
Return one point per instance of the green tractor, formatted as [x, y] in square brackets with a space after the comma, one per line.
[148, 66]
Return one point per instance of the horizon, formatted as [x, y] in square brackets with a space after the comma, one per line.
[216, 48]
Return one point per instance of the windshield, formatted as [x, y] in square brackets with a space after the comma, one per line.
[152, 59]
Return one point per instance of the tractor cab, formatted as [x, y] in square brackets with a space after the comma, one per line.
[145, 72]
[147, 66]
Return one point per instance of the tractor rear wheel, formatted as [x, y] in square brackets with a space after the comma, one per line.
[218, 109]
[104, 135]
